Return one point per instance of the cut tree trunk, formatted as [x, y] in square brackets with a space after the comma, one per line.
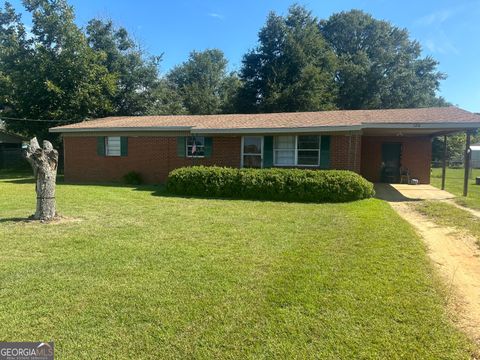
[44, 162]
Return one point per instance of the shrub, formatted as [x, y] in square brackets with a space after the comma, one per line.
[270, 184]
[133, 178]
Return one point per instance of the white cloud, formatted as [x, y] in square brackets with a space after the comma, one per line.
[436, 17]
[436, 38]
[440, 46]
[216, 16]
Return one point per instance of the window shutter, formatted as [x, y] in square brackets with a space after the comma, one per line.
[267, 151]
[123, 146]
[208, 146]
[181, 146]
[325, 152]
[101, 145]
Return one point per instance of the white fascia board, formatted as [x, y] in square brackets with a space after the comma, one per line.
[121, 129]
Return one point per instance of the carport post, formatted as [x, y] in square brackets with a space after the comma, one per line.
[467, 164]
[444, 163]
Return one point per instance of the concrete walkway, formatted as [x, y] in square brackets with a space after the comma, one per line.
[403, 192]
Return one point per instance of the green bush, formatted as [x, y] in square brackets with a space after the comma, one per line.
[270, 184]
[133, 178]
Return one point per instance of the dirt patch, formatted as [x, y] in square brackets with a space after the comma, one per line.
[457, 258]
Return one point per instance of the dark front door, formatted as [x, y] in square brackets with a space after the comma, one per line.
[391, 162]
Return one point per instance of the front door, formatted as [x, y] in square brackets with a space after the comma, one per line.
[390, 171]
[252, 151]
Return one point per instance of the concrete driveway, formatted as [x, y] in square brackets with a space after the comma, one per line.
[403, 192]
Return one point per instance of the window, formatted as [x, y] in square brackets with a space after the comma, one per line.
[308, 148]
[284, 150]
[303, 150]
[252, 150]
[112, 146]
[195, 146]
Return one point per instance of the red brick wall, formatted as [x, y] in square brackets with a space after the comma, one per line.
[152, 156]
[346, 152]
[155, 156]
[416, 156]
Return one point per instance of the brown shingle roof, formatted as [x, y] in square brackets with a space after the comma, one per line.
[320, 119]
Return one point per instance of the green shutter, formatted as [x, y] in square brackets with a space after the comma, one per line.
[267, 151]
[208, 146]
[101, 145]
[325, 152]
[124, 146]
[181, 146]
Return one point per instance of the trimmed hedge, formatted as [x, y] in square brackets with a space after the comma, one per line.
[133, 178]
[270, 184]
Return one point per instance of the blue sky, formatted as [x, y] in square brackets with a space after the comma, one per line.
[448, 30]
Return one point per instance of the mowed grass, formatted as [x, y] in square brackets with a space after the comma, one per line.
[137, 274]
[454, 184]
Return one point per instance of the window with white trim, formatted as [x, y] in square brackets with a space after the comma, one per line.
[113, 146]
[252, 151]
[195, 146]
[284, 150]
[302, 150]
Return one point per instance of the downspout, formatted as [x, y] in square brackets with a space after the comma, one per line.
[349, 150]
[355, 154]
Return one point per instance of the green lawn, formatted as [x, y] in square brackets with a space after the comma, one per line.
[141, 275]
[454, 184]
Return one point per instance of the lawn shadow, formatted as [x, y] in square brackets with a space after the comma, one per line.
[161, 191]
[26, 179]
[16, 220]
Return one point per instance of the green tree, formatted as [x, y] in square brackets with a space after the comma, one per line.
[136, 72]
[166, 100]
[53, 73]
[203, 83]
[291, 69]
[378, 65]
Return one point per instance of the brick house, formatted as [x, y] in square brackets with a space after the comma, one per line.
[378, 144]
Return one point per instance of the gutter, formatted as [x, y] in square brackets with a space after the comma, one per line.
[443, 125]
[276, 130]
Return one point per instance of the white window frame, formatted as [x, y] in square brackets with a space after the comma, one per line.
[187, 146]
[252, 154]
[275, 152]
[296, 152]
[107, 152]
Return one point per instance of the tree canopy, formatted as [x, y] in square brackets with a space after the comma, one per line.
[291, 69]
[379, 66]
[203, 84]
[51, 73]
[61, 72]
[136, 73]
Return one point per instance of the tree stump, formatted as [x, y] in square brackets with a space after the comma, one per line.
[44, 162]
